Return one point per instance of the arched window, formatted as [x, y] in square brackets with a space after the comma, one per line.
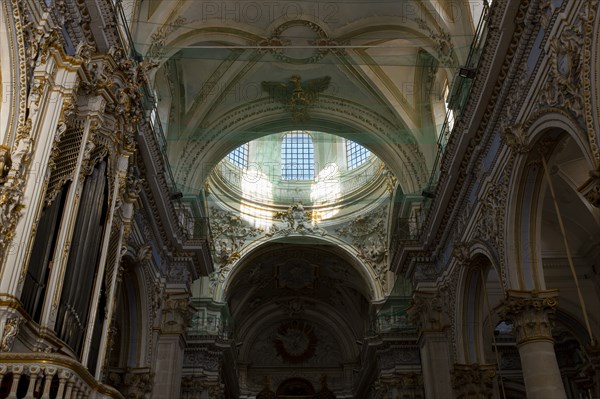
[239, 156]
[356, 154]
[297, 156]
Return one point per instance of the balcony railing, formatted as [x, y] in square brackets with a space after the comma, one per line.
[48, 375]
[211, 326]
[459, 94]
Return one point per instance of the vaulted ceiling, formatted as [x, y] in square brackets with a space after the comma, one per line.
[388, 64]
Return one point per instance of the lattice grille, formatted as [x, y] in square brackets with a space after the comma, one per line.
[111, 258]
[65, 160]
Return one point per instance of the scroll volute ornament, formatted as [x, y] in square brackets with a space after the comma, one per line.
[529, 311]
[427, 312]
[473, 380]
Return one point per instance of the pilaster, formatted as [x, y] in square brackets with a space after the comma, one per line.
[25, 163]
[176, 315]
[430, 318]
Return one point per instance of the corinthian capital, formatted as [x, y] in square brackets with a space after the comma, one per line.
[427, 311]
[473, 380]
[529, 311]
[177, 312]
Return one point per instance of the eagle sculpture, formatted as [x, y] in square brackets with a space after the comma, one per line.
[297, 95]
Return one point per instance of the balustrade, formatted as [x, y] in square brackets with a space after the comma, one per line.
[48, 376]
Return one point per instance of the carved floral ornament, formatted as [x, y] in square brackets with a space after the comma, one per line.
[133, 383]
[473, 379]
[529, 312]
[367, 234]
[426, 311]
[277, 42]
[230, 233]
[5, 163]
[11, 330]
[562, 88]
[295, 220]
[515, 137]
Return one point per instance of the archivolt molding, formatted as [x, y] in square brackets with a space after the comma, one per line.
[539, 136]
[412, 177]
[493, 211]
[567, 89]
[13, 68]
[589, 77]
[367, 234]
[467, 256]
[364, 238]
[222, 279]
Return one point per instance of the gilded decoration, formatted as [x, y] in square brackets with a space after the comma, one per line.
[5, 163]
[11, 330]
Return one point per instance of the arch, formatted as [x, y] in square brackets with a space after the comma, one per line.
[480, 294]
[389, 141]
[12, 69]
[591, 84]
[131, 317]
[527, 190]
[342, 250]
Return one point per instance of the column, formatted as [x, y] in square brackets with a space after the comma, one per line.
[428, 315]
[529, 311]
[168, 364]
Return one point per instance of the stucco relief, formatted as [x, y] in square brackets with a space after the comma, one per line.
[295, 220]
[230, 234]
[291, 337]
[11, 330]
[569, 69]
[367, 233]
